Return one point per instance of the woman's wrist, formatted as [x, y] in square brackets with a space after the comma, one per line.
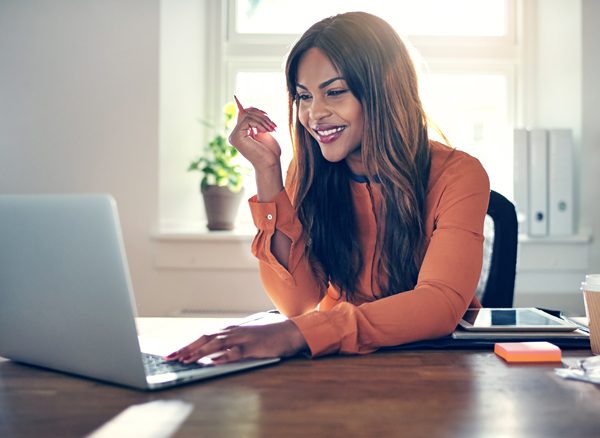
[297, 343]
[269, 183]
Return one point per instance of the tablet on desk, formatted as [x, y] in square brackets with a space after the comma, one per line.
[515, 319]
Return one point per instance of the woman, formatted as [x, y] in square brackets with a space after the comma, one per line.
[376, 238]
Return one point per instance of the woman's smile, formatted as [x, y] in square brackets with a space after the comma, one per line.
[328, 133]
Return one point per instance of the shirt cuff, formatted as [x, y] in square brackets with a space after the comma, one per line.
[318, 331]
[277, 213]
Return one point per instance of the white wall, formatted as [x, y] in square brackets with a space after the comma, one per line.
[182, 74]
[549, 270]
[590, 126]
[79, 112]
[566, 96]
[79, 106]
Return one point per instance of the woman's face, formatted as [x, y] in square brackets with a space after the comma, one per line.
[328, 110]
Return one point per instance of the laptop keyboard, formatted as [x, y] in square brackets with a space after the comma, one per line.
[155, 364]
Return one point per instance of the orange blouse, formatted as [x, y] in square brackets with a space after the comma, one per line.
[457, 200]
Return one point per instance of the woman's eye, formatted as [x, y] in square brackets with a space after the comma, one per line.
[300, 97]
[336, 92]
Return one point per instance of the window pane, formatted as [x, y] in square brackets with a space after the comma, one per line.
[408, 17]
[472, 112]
[265, 90]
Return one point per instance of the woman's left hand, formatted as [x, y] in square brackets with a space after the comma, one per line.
[248, 342]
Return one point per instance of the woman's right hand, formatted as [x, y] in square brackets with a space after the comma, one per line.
[251, 137]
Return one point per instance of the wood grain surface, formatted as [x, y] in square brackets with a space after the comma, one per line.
[391, 393]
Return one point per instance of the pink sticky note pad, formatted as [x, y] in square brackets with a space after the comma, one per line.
[528, 351]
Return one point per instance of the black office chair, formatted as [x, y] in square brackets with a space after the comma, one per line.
[496, 286]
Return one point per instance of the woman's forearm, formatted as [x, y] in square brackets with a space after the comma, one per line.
[269, 183]
[280, 248]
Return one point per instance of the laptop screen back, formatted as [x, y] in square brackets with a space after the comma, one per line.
[66, 299]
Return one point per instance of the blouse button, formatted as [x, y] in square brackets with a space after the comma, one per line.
[269, 216]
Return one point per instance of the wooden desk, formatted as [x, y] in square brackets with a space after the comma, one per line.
[396, 393]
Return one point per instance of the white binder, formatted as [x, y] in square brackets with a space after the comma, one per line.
[538, 182]
[521, 178]
[560, 182]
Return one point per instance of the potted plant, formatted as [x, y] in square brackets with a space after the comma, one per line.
[222, 177]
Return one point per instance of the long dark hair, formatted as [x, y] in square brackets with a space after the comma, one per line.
[377, 67]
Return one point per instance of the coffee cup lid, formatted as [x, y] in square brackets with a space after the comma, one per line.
[590, 287]
[592, 278]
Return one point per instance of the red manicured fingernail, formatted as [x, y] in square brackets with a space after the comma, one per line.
[239, 105]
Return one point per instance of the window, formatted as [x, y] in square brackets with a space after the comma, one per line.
[472, 108]
[467, 53]
[422, 17]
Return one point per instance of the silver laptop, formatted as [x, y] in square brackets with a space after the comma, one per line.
[66, 300]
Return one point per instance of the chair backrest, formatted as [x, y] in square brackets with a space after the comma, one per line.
[497, 282]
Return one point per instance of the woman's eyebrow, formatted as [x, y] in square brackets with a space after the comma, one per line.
[324, 84]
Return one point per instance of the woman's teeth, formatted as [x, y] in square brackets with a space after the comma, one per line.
[327, 132]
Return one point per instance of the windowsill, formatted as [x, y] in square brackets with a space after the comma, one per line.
[583, 237]
[193, 246]
[246, 232]
[564, 256]
[199, 233]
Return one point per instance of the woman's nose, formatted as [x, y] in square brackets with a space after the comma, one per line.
[319, 109]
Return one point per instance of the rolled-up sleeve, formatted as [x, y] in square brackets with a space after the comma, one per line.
[294, 290]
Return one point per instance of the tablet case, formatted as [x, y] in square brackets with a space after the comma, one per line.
[460, 340]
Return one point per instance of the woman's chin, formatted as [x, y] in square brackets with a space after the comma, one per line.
[353, 159]
[331, 156]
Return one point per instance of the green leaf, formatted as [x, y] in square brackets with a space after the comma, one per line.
[218, 164]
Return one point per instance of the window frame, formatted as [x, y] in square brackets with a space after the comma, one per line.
[230, 52]
[272, 39]
[238, 48]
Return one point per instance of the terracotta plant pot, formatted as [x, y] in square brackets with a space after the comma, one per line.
[221, 206]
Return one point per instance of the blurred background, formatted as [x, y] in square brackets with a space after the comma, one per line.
[107, 96]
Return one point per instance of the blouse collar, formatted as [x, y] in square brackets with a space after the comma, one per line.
[363, 179]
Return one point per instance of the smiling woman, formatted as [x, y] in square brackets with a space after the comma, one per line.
[476, 87]
[376, 237]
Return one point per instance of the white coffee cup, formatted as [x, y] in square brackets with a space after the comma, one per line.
[591, 287]
[591, 299]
